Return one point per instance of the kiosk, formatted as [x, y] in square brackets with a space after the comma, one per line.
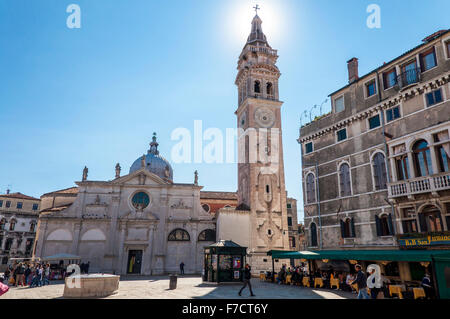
[224, 261]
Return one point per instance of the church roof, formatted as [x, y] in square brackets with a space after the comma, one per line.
[66, 191]
[257, 34]
[18, 196]
[225, 243]
[218, 195]
[154, 162]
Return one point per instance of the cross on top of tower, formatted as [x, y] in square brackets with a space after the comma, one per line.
[256, 9]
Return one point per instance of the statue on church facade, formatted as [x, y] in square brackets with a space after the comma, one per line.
[85, 174]
[143, 161]
[196, 178]
[118, 168]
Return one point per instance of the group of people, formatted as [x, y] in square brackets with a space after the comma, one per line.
[356, 282]
[26, 274]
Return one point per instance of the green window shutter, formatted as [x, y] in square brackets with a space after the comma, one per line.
[352, 224]
[391, 225]
[378, 223]
[342, 229]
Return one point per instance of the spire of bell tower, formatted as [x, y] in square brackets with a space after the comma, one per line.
[257, 34]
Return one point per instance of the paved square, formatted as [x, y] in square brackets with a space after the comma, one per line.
[157, 287]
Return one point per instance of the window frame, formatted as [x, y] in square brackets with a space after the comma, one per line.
[35, 205]
[349, 177]
[393, 118]
[369, 123]
[306, 147]
[385, 78]
[343, 103]
[447, 48]
[316, 242]
[206, 238]
[374, 175]
[313, 190]
[337, 135]
[19, 204]
[178, 240]
[427, 160]
[422, 57]
[433, 92]
[366, 88]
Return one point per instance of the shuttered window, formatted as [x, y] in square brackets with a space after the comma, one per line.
[379, 171]
[310, 189]
[344, 180]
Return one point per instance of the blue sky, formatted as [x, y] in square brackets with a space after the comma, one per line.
[93, 96]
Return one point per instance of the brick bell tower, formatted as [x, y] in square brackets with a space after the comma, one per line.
[261, 182]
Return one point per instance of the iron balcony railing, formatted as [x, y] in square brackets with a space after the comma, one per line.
[408, 77]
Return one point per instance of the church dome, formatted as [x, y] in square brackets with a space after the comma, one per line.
[154, 162]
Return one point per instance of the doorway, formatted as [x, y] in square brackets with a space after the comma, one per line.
[134, 262]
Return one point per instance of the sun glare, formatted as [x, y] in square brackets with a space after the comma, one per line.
[239, 14]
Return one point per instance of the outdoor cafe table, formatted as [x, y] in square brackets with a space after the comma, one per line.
[306, 282]
[334, 282]
[318, 281]
[419, 293]
[396, 289]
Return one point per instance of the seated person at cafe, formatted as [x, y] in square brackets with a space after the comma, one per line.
[282, 275]
[349, 280]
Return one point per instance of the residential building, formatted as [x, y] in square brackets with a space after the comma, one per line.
[18, 219]
[377, 167]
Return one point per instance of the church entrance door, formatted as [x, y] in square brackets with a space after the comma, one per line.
[134, 262]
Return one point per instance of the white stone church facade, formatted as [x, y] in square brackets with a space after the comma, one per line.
[140, 223]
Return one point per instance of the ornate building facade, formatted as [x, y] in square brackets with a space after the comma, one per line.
[18, 220]
[139, 223]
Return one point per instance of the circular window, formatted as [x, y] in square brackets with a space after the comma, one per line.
[206, 207]
[140, 200]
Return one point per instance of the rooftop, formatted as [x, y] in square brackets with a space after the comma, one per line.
[19, 196]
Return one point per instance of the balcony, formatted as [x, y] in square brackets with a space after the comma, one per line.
[266, 50]
[408, 78]
[421, 185]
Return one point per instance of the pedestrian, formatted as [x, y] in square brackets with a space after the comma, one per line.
[182, 268]
[82, 267]
[361, 281]
[6, 274]
[427, 286]
[27, 274]
[3, 287]
[87, 267]
[247, 278]
[20, 270]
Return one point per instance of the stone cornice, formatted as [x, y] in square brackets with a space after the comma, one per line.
[391, 102]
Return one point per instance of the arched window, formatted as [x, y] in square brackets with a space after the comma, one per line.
[12, 224]
[310, 188]
[344, 180]
[313, 230]
[422, 159]
[2, 224]
[347, 228]
[269, 88]
[379, 171]
[430, 220]
[207, 235]
[257, 87]
[179, 235]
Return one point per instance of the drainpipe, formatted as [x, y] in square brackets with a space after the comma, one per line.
[386, 149]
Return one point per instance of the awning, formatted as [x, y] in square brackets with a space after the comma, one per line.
[372, 255]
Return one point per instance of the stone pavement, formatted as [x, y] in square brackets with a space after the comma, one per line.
[156, 287]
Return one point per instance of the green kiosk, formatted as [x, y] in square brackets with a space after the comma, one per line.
[224, 262]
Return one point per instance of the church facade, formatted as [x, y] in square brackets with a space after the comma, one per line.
[140, 223]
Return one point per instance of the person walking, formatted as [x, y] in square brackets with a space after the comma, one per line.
[87, 267]
[247, 278]
[361, 281]
[20, 275]
[27, 274]
[182, 268]
[427, 286]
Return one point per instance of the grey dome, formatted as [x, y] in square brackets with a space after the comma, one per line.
[154, 162]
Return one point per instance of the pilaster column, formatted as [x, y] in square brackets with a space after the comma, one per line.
[120, 263]
[393, 170]
[412, 171]
[434, 163]
[194, 245]
[76, 237]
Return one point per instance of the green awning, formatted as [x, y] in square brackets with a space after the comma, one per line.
[372, 255]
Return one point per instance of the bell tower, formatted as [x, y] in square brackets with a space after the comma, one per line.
[261, 182]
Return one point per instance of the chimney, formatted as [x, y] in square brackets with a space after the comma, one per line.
[352, 70]
[7, 191]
